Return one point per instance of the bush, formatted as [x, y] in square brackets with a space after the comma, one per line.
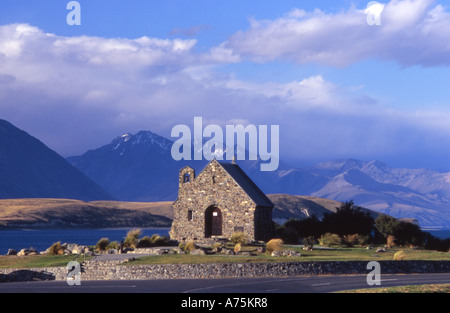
[274, 245]
[329, 240]
[113, 245]
[237, 248]
[132, 238]
[308, 242]
[399, 255]
[350, 240]
[102, 244]
[145, 242]
[56, 249]
[154, 241]
[217, 245]
[239, 237]
[390, 241]
[189, 246]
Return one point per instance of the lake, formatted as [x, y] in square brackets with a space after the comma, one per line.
[41, 239]
[440, 233]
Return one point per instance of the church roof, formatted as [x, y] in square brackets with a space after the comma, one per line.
[247, 184]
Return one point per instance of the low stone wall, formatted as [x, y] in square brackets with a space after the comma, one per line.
[96, 270]
[229, 270]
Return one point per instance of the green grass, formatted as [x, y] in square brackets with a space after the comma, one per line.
[346, 254]
[437, 288]
[37, 261]
[343, 254]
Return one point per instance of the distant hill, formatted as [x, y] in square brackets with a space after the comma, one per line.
[302, 207]
[29, 169]
[64, 213]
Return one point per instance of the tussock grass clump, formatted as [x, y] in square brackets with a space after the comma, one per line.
[237, 248]
[189, 246]
[112, 245]
[56, 249]
[132, 238]
[399, 255]
[102, 244]
[154, 241]
[274, 245]
[329, 239]
[239, 237]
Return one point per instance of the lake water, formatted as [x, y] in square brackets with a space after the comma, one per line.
[41, 239]
[442, 234]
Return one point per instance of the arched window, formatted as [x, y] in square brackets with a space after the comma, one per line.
[186, 178]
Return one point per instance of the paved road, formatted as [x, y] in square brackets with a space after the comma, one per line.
[314, 284]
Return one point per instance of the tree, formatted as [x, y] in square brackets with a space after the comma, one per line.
[348, 219]
[403, 233]
[294, 230]
[409, 234]
[387, 226]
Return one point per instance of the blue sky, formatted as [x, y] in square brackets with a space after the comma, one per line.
[337, 87]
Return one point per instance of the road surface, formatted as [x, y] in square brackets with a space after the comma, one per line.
[313, 284]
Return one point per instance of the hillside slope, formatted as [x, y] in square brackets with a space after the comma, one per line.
[64, 213]
[29, 169]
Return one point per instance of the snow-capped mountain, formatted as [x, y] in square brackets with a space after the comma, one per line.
[133, 167]
[405, 193]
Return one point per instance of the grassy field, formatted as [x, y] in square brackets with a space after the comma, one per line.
[37, 261]
[346, 254]
[438, 288]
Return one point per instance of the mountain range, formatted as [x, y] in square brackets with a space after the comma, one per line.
[29, 169]
[140, 168]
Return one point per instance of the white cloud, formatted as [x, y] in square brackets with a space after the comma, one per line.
[412, 32]
[76, 93]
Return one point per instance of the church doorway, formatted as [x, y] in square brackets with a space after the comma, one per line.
[213, 222]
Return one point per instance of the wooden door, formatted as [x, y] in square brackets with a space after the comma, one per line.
[216, 229]
[213, 222]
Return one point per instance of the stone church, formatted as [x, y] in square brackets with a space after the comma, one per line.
[219, 201]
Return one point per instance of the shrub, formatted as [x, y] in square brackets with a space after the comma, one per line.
[132, 238]
[363, 239]
[217, 245]
[350, 240]
[155, 240]
[399, 255]
[239, 237]
[102, 244]
[189, 246]
[55, 249]
[308, 242]
[329, 240]
[390, 241]
[145, 242]
[112, 245]
[237, 248]
[274, 245]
